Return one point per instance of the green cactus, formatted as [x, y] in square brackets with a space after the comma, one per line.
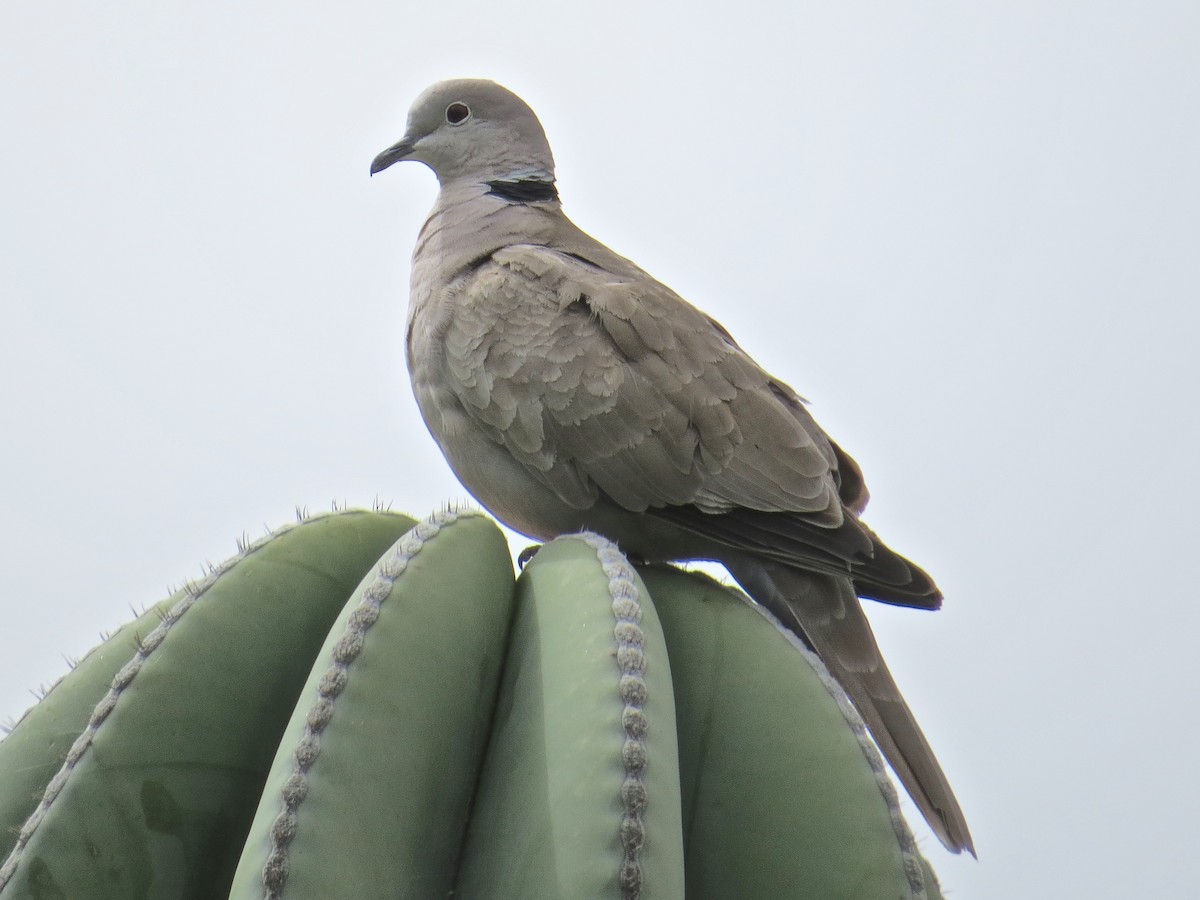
[357, 707]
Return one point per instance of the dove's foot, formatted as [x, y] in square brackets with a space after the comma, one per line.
[527, 554]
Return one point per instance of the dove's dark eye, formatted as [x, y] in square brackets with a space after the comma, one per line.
[456, 113]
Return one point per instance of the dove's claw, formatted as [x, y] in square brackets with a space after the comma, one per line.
[527, 554]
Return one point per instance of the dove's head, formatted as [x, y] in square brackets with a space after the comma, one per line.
[471, 129]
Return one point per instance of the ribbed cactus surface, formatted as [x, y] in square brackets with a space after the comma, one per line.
[360, 706]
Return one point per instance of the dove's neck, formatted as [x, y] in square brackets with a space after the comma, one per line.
[473, 219]
[522, 184]
[523, 190]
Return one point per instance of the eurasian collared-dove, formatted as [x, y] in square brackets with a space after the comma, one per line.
[569, 390]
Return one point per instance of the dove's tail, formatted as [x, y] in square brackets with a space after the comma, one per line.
[826, 614]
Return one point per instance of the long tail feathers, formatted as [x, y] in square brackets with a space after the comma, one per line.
[825, 613]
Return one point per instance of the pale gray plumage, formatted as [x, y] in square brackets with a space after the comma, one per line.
[568, 389]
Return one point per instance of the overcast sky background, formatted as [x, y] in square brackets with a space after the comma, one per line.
[968, 233]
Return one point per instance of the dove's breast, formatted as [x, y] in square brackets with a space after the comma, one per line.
[472, 360]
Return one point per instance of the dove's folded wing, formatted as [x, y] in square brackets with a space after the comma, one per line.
[630, 388]
[608, 382]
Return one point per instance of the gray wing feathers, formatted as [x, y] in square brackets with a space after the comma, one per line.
[596, 380]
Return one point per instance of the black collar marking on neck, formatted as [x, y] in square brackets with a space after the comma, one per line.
[528, 190]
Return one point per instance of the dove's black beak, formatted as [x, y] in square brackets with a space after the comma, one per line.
[393, 154]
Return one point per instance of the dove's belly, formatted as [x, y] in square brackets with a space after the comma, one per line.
[505, 488]
[486, 469]
[502, 485]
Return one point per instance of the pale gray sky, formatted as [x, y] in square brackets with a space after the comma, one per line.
[967, 233]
